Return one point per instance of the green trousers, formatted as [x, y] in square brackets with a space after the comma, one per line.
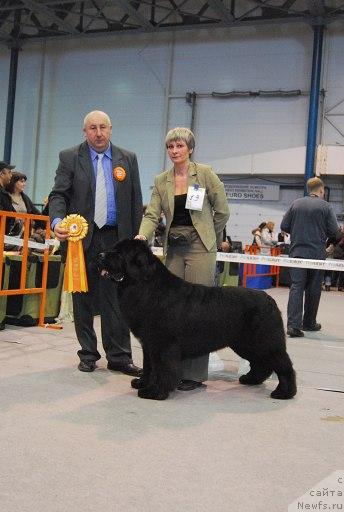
[194, 264]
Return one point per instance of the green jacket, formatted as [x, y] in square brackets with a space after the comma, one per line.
[209, 222]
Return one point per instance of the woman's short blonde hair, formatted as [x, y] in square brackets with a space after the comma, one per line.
[180, 133]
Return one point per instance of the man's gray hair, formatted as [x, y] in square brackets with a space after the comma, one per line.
[91, 114]
[183, 134]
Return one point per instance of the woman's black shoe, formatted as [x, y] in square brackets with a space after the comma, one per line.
[87, 366]
[189, 385]
[315, 327]
[295, 333]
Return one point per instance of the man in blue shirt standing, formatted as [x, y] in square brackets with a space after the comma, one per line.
[100, 182]
[310, 221]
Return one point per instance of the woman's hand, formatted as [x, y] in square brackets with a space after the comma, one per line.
[141, 237]
[225, 246]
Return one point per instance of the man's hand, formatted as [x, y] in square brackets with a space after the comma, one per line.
[141, 237]
[60, 233]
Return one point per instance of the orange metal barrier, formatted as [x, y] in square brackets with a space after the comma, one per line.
[22, 290]
[250, 269]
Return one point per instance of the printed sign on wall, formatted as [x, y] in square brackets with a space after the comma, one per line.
[248, 192]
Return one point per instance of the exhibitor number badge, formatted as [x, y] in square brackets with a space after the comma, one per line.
[195, 198]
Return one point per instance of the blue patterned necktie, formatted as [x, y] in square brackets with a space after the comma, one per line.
[100, 208]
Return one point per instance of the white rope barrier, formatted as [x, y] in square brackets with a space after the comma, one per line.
[279, 261]
[18, 242]
[232, 257]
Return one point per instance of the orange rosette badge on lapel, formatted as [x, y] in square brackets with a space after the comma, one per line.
[75, 277]
[119, 173]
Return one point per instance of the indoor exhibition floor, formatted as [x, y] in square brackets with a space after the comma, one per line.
[80, 442]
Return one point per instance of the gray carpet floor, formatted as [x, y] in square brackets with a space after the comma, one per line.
[71, 441]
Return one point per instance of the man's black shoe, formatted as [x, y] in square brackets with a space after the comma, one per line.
[87, 366]
[189, 385]
[127, 368]
[315, 327]
[294, 333]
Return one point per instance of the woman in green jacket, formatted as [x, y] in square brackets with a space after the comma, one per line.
[194, 203]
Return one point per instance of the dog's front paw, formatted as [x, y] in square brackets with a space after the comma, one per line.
[138, 383]
[152, 393]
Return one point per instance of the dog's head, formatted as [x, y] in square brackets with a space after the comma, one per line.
[131, 260]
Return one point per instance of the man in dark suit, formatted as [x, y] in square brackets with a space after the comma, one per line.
[100, 182]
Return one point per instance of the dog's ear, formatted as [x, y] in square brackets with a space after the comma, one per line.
[142, 265]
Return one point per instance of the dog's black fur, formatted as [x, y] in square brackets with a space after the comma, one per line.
[174, 320]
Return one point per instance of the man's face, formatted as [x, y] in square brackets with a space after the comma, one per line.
[98, 132]
[5, 177]
[321, 192]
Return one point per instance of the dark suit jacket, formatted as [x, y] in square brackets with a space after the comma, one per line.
[74, 190]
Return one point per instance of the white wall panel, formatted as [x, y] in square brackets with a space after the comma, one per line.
[333, 85]
[4, 71]
[229, 128]
[127, 76]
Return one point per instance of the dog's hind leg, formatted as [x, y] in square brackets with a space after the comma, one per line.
[286, 376]
[164, 373]
[257, 374]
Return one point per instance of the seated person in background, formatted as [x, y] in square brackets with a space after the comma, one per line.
[226, 246]
[283, 238]
[283, 242]
[334, 250]
[267, 234]
[159, 233]
[5, 198]
[19, 202]
[257, 235]
[338, 254]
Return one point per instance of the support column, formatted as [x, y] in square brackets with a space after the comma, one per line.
[12, 83]
[314, 101]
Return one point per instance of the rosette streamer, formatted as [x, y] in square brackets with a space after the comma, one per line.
[75, 277]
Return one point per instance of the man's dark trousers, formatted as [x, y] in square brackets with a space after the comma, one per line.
[306, 282]
[102, 296]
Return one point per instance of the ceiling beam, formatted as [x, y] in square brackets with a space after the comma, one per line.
[4, 36]
[49, 15]
[126, 6]
[282, 9]
[287, 4]
[316, 7]
[224, 13]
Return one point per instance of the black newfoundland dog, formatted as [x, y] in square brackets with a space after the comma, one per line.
[174, 320]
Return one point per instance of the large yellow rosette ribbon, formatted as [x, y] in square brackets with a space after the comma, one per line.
[75, 278]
